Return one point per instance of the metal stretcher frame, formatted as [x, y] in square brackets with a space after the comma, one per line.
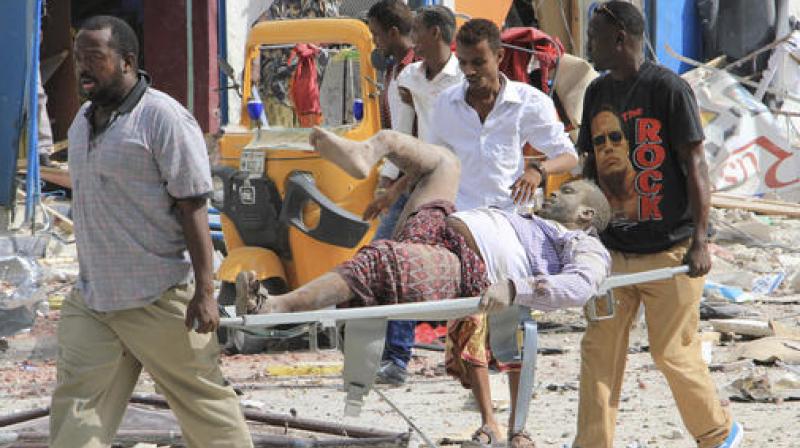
[365, 333]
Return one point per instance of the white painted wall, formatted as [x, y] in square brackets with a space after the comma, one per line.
[794, 8]
[240, 15]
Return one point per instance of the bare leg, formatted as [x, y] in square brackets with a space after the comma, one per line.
[436, 167]
[327, 290]
[481, 390]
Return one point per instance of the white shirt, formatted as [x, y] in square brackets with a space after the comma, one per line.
[424, 91]
[402, 114]
[498, 244]
[402, 121]
[491, 152]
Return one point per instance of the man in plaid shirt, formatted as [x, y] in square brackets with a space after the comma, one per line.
[140, 178]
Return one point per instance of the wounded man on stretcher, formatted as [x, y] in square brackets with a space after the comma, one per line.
[550, 261]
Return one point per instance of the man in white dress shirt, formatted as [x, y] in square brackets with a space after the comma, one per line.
[486, 120]
[419, 84]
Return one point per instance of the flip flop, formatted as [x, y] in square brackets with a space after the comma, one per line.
[484, 437]
[521, 440]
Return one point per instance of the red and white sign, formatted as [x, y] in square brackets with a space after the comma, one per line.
[746, 149]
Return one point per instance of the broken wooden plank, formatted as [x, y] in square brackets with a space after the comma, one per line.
[56, 176]
[744, 327]
[174, 438]
[65, 222]
[23, 416]
[732, 366]
[286, 421]
[52, 174]
[761, 206]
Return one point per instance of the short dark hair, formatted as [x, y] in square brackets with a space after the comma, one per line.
[590, 160]
[123, 38]
[440, 16]
[392, 13]
[623, 13]
[477, 30]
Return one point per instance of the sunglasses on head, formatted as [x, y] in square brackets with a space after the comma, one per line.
[603, 8]
[614, 136]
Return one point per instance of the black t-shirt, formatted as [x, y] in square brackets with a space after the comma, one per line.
[631, 131]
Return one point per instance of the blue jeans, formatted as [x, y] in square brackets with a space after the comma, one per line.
[389, 220]
[399, 333]
[399, 341]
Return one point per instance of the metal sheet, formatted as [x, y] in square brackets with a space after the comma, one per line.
[16, 33]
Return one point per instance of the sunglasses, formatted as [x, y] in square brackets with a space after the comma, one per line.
[614, 136]
[603, 8]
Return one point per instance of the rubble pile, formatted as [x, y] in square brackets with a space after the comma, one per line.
[754, 256]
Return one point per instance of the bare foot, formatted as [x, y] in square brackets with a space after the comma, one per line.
[246, 292]
[353, 157]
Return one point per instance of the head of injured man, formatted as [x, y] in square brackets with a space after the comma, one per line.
[578, 205]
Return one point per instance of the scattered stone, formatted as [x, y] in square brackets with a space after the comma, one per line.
[561, 387]
[675, 434]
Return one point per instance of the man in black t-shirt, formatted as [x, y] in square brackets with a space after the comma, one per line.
[643, 141]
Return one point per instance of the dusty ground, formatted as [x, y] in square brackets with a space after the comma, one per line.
[441, 408]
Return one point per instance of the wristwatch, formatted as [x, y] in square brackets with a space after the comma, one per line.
[537, 165]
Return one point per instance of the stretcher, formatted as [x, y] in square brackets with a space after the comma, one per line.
[365, 333]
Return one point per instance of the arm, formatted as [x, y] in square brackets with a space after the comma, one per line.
[588, 265]
[391, 192]
[693, 158]
[193, 216]
[686, 133]
[532, 177]
[545, 132]
[180, 152]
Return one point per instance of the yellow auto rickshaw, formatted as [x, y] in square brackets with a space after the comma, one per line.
[285, 213]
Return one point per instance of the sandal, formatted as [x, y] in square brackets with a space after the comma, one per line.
[484, 437]
[521, 440]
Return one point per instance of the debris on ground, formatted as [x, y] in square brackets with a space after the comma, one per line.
[765, 386]
[754, 283]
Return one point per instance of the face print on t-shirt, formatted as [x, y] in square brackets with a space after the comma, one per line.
[615, 172]
[629, 173]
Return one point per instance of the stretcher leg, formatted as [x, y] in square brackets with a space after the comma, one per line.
[503, 339]
[527, 375]
[363, 348]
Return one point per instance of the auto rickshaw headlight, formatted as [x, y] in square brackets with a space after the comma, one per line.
[217, 191]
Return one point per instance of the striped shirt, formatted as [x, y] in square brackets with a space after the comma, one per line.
[568, 265]
[126, 178]
[551, 267]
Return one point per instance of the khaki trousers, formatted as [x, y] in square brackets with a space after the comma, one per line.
[101, 356]
[672, 314]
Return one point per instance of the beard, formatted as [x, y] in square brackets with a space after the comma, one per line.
[105, 93]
